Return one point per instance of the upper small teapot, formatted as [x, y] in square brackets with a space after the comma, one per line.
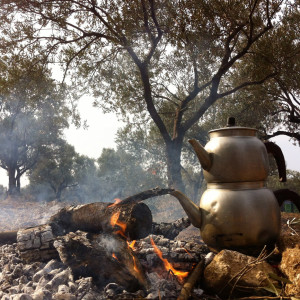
[235, 154]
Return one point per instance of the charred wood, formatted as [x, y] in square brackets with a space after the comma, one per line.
[96, 217]
[170, 230]
[105, 257]
[36, 243]
[195, 276]
[145, 195]
[8, 237]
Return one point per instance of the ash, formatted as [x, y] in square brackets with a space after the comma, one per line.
[54, 280]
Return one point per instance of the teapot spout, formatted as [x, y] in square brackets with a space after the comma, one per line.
[191, 209]
[202, 154]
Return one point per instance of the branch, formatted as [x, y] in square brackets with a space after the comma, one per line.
[294, 135]
[247, 83]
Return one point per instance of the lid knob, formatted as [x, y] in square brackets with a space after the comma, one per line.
[230, 122]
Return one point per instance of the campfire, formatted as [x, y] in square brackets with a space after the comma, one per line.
[115, 251]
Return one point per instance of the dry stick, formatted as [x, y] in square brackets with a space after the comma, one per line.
[189, 285]
[264, 297]
[145, 195]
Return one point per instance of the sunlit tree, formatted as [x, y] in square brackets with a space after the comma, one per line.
[33, 114]
[164, 63]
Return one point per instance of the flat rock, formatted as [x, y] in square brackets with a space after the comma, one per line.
[231, 272]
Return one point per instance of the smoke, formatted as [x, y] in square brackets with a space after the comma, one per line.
[109, 244]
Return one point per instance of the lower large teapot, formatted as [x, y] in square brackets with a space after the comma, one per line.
[243, 219]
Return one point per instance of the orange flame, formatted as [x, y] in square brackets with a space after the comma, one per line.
[114, 220]
[131, 245]
[114, 256]
[168, 266]
[117, 200]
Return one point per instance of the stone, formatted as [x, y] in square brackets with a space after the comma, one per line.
[59, 279]
[22, 297]
[233, 272]
[290, 266]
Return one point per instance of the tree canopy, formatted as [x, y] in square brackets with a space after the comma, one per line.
[164, 63]
[33, 114]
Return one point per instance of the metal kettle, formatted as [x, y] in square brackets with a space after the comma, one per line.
[236, 211]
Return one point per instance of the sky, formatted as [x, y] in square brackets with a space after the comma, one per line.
[103, 128]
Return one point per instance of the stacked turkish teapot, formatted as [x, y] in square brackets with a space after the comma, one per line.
[237, 211]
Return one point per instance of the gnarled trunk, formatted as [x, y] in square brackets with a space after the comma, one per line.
[173, 153]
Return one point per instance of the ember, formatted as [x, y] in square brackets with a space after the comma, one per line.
[168, 266]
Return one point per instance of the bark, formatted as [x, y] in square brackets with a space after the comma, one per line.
[105, 257]
[12, 183]
[173, 153]
[96, 217]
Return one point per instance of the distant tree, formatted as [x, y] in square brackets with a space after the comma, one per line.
[292, 183]
[164, 62]
[60, 167]
[122, 175]
[33, 114]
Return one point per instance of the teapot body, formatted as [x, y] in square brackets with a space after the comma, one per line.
[237, 155]
[238, 218]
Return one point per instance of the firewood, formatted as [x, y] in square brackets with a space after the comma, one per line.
[96, 217]
[8, 237]
[145, 195]
[105, 257]
[190, 283]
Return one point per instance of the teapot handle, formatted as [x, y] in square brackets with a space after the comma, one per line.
[276, 151]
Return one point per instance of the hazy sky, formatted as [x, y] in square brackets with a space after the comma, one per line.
[102, 130]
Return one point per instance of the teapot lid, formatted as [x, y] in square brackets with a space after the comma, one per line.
[232, 130]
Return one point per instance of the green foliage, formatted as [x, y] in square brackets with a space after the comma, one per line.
[122, 175]
[292, 183]
[33, 114]
[61, 168]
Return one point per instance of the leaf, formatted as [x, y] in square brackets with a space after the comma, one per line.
[282, 279]
[271, 288]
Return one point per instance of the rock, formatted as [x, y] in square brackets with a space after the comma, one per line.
[290, 266]
[58, 279]
[233, 272]
[22, 297]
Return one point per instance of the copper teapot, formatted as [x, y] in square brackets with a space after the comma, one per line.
[236, 211]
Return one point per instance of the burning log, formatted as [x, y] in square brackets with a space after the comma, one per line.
[96, 217]
[105, 257]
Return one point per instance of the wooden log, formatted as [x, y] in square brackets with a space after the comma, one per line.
[187, 288]
[105, 257]
[8, 237]
[145, 195]
[96, 217]
[36, 243]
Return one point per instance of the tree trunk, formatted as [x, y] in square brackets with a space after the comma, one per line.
[12, 183]
[173, 153]
[18, 181]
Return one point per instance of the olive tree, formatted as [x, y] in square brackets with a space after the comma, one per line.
[164, 63]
